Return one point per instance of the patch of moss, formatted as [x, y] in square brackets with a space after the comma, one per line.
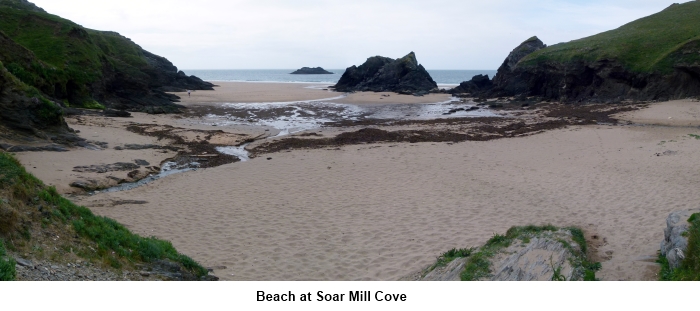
[92, 104]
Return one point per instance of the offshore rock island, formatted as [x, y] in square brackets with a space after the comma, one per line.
[311, 71]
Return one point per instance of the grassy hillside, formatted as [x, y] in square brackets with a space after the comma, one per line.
[67, 58]
[76, 65]
[36, 220]
[651, 44]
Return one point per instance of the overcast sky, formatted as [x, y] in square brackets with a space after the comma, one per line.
[276, 34]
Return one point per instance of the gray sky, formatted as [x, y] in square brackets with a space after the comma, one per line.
[275, 34]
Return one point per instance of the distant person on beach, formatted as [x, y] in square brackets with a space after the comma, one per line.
[188, 93]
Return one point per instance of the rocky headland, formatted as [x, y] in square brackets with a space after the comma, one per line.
[383, 74]
[653, 58]
[311, 71]
[57, 63]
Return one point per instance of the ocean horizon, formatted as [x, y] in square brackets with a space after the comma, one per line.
[441, 77]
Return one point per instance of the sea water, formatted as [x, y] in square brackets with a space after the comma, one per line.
[441, 77]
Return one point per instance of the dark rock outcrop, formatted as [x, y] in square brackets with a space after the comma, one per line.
[478, 83]
[382, 74]
[311, 71]
[505, 79]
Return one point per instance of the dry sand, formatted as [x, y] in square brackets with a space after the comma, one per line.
[249, 92]
[380, 212]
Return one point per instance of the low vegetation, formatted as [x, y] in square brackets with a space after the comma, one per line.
[689, 269]
[7, 265]
[35, 219]
[651, 44]
[449, 256]
[478, 263]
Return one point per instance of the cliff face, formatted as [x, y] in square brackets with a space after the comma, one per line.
[383, 74]
[653, 58]
[67, 62]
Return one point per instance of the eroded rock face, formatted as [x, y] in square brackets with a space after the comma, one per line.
[383, 74]
[674, 244]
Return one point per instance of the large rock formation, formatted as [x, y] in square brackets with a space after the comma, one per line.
[311, 71]
[383, 74]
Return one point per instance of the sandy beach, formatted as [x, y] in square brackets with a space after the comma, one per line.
[248, 92]
[383, 211]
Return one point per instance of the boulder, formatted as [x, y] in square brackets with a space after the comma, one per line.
[383, 74]
[675, 243]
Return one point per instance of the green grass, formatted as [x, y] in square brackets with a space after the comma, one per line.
[7, 265]
[451, 255]
[651, 44]
[115, 243]
[689, 269]
[694, 136]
